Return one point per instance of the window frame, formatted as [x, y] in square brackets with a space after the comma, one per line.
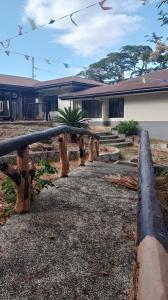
[116, 112]
[93, 108]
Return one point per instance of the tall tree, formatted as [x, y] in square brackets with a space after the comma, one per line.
[162, 6]
[116, 66]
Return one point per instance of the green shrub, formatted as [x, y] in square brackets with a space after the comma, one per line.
[9, 189]
[127, 127]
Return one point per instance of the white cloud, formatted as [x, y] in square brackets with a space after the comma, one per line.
[97, 29]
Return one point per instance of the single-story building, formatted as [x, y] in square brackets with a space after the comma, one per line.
[27, 99]
[143, 99]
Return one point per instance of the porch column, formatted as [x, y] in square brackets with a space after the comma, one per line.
[10, 107]
[105, 112]
[40, 107]
[20, 106]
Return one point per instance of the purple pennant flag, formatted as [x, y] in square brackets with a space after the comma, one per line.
[7, 43]
[20, 30]
[73, 20]
[101, 3]
[7, 52]
[51, 21]
[27, 57]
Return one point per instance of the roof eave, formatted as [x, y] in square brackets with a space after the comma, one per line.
[63, 84]
[126, 92]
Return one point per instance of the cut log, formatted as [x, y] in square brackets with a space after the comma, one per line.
[81, 151]
[63, 157]
[96, 149]
[24, 189]
[91, 149]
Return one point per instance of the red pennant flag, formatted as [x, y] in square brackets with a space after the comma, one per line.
[7, 52]
[7, 43]
[73, 20]
[27, 57]
[20, 30]
[101, 3]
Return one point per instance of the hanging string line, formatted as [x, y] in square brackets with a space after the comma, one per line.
[6, 42]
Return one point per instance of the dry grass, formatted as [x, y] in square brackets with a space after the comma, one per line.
[132, 183]
[125, 181]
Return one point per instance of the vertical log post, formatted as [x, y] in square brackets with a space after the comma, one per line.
[91, 149]
[81, 151]
[65, 137]
[24, 189]
[96, 152]
[63, 157]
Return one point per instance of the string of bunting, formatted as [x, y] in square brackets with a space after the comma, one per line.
[67, 66]
[6, 43]
[46, 60]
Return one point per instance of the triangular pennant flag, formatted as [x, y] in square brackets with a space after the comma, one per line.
[32, 23]
[20, 30]
[7, 43]
[66, 65]
[7, 52]
[73, 20]
[27, 56]
[101, 3]
[51, 21]
[47, 61]
[143, 79]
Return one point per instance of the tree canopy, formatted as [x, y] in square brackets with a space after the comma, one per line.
[162, 7]
[133, 60]
[130, 61]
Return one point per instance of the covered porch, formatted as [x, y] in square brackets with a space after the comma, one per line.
[16, 104]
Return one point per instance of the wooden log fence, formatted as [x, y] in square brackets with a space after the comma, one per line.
[23, 174]
[151, 270]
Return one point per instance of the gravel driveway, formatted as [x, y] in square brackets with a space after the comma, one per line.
[75, 244]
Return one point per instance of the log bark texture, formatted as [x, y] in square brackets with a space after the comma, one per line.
[81, 151]
[63, 157]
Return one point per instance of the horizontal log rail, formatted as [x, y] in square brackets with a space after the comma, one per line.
[23, 174]
[20, 142]
[152, 238]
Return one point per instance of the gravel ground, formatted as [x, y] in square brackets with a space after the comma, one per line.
[75, 244]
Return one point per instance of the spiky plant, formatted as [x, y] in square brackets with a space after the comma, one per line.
[72, 117]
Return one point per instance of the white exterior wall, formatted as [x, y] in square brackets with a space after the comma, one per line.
[62, 104]
[145, 107]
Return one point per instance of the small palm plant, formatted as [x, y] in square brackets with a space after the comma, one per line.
[72, 117]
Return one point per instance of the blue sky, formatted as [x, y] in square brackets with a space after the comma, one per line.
[99, 32]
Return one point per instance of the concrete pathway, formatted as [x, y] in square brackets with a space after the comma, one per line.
[75, 244]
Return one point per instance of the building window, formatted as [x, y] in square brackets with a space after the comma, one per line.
[52, 103]
[93, 108]
[116, 108]
[1, 106]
